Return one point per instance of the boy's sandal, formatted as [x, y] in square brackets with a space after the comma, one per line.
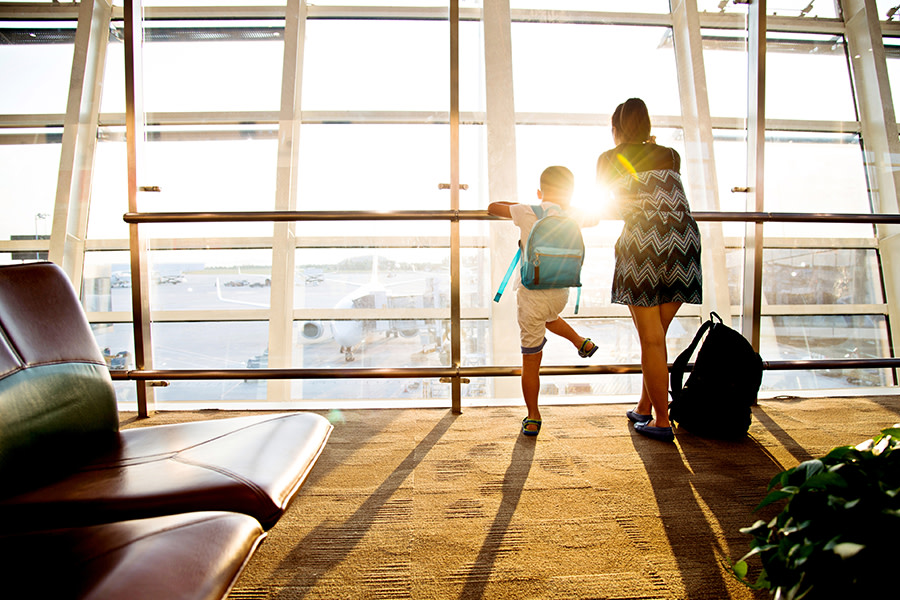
[587, 353]
[526, 422]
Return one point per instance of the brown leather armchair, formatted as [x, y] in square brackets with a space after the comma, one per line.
[65, 464]
[191, 556]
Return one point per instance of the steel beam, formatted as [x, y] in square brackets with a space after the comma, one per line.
[79, 141]
[699, 160]
[879, 135]
[500, 124]
[756, 135]
[455, 324]
[281, 325]
[134, 137]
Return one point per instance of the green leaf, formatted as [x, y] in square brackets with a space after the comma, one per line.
[865, 446]
[847, 549]
[810, 468]
[785, 492]
[838, 453]
[757, 529]
[762, 582]
[832, 543]
[759, 550]
[892, 431]
[780, 479]
[793, 528]
[881, 446]
[822, 481]
[740, 569]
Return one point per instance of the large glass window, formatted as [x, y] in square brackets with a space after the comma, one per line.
[374, 135]
[369, 65]
[28, 176]
[820, 337]
[810, 172]
[575, 68]
[892, 54]
[807, 78]
[46, 47]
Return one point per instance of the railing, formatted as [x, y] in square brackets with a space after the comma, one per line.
[158, 376]
[461, 215]
[465, 372]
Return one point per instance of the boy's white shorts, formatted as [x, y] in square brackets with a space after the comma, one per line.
[536, 308]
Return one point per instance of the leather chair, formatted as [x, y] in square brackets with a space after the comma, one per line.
[192, 556]
[63, 460]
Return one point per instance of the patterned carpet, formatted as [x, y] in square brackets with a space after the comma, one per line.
[421, 503]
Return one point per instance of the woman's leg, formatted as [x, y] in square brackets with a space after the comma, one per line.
[652, 323]
[666, 315]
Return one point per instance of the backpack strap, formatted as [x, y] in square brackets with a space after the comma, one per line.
[538, 212]
[509, 272]
[680, 364]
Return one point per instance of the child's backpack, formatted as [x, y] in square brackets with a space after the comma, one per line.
[553, 254]
[717, 397]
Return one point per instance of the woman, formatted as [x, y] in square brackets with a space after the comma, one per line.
[657, 254]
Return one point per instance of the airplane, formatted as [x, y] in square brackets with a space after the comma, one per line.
[313, 276]
[350, 334]
[120, 279]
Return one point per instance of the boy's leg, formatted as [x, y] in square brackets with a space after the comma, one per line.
[531, 385]
[562, 328]
[532, 313]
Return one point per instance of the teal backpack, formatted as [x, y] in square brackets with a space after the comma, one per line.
[553, 254]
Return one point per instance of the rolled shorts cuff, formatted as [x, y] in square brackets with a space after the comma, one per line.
[534, 350]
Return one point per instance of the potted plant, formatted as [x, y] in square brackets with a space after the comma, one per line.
[838, 535]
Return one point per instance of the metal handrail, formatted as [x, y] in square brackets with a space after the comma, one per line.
[439, 372]
[454, 215]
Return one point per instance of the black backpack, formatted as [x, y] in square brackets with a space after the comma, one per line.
[717, 397]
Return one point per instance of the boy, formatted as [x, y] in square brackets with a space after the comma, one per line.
[539, 310]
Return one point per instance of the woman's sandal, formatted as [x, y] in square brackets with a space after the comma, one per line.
[663, 434]
[587, 353]
[636, 417]
[526, 422]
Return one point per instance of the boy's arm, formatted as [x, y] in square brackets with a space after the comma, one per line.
[501, 209]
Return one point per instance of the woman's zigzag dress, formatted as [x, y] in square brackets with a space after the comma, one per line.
[658, 252]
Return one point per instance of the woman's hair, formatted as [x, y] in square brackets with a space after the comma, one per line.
[632, 121]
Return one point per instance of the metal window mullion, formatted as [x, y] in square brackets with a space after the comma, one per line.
[455, 324]
[879, 136]
[140, 272]
[79, 139]
[699, 161]
[281, 325]
[756, 134]
[500, 125]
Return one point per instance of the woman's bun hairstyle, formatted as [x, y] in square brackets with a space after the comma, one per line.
[632, 121]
